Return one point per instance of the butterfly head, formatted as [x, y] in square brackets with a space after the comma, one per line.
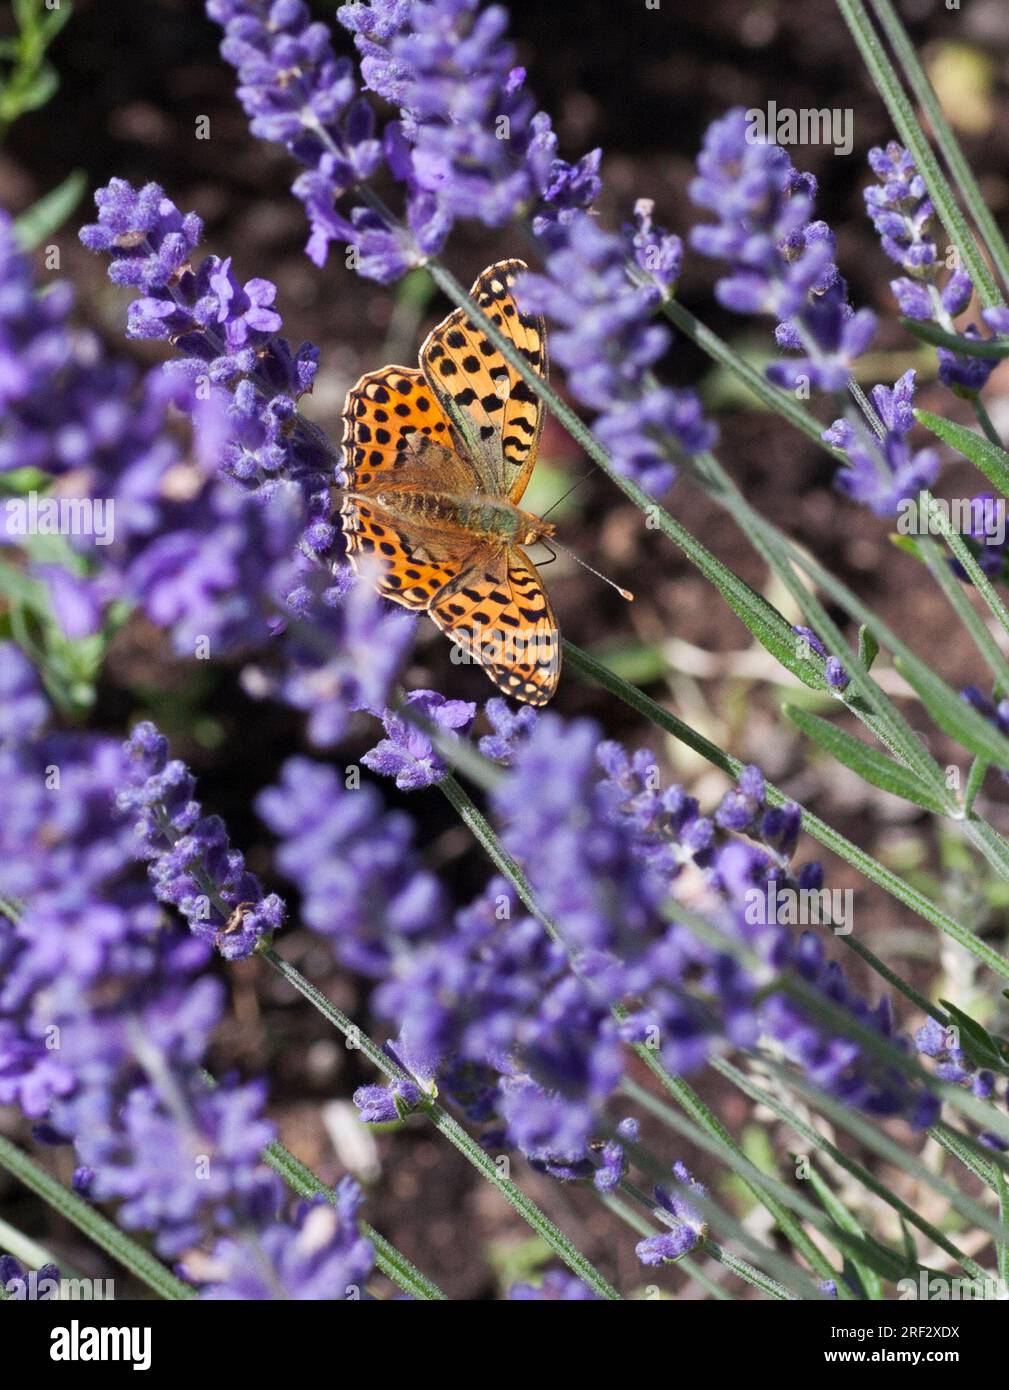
[534, 528]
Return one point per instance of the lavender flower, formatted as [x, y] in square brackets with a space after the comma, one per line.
[782, 261]
[953, 1064]
[687, 1229]
[904, 216]
[226, 331]
[21, 1285]
[607, 343]
[353, 864]
[23, 708]
[511, 726]
[190, 861]
[297, 93]
[837, 676]
[319, 1254]
[469, 140]
[657, 252]
[235, 568]
[882, 472]
[407, 752]
[989, 552]
[341, 652]
[105, 1019]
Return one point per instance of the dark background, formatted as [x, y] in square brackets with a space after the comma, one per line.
[643, 84]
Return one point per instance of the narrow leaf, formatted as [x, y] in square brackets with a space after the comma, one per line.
[988, 457]
[954, 716]
[50, 212]
[1002, 1246]
[967, 347]
[870, 764]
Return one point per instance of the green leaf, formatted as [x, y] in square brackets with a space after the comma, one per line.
[20, 481]
[907, 544]
[868, 647]
[988, 457]
[968, 347]
[50, 212]
[974, 1037]
[869, 1278]
[954, 716]
[1002, 1246]
[34, 93]
[870, 764]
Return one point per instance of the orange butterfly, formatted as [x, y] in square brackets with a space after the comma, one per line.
[436, 460]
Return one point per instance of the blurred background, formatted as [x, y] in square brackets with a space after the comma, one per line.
[642, 83]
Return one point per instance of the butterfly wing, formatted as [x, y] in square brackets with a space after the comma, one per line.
[395, 434]
[396, 439]
[498, 612]
[496, 414]
[408, 563]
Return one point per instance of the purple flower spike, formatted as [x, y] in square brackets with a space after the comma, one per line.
[190, 861]
[782, 262]
[882, 473]
[407, 752]
[297, 93]
[904, 216]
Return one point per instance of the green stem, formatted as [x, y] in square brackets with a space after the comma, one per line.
[449, 1128]
[857, 1170]
[820, 831]
[122, 1248]
[742, 1269]
[902, 114]
[962, 173]
[986, 423]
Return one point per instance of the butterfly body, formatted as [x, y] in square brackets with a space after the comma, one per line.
[436, 460]
[480, 516]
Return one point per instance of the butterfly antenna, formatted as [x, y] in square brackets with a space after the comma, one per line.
[570, 490]
[624, 593]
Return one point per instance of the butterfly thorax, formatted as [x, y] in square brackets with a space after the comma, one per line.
[484, 517]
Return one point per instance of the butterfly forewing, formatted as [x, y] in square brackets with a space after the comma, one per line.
[500, 416]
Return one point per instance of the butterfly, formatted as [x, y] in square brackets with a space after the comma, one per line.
[435, 461]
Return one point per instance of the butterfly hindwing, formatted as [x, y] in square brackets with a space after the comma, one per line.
[499, 416]
[408, 564]
[499, 613]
